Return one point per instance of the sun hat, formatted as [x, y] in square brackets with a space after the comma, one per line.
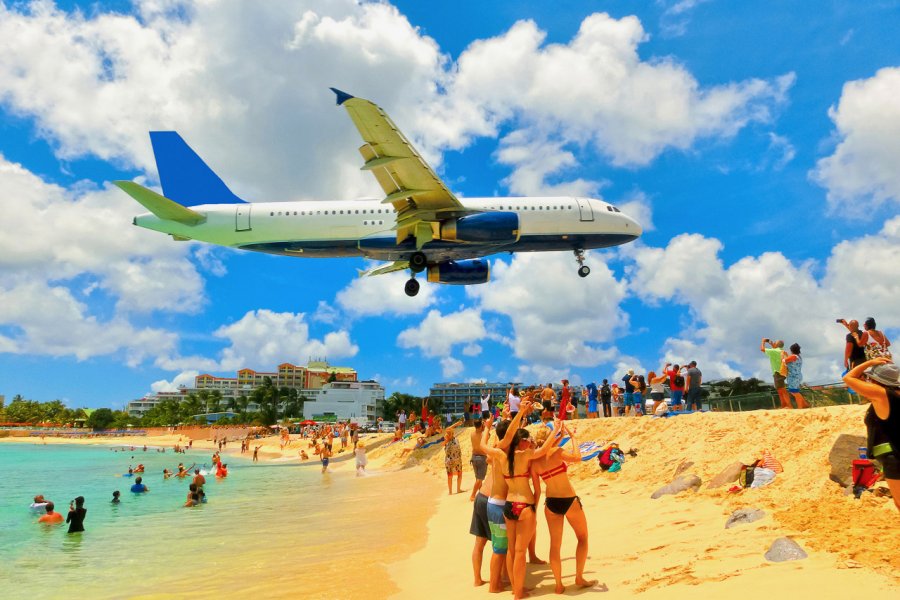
[887, 374]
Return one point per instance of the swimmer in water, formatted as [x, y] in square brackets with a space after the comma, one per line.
[222, 470]
[115, 498]
[193, 497]
[51, 518]
[166, 473]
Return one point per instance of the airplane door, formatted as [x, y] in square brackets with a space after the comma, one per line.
[242, 217]
[584, 207]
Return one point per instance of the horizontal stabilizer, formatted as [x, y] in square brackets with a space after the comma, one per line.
[160, 206]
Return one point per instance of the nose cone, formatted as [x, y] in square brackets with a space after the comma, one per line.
[630, 226]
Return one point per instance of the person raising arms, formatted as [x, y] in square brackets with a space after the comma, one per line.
[479, 458]
[515, 468]
[879, 381]
[562, 505]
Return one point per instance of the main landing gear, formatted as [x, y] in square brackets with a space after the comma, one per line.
[417, 263]
[583, 269]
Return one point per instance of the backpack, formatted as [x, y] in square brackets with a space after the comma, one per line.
[679, 381]
[605, 392]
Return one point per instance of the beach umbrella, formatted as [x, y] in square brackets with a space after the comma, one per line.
[307, 422]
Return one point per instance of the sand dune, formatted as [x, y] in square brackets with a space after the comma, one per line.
[673, 544]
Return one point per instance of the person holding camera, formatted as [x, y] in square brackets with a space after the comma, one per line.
[775, 353]
[855, 348]
[77, 513]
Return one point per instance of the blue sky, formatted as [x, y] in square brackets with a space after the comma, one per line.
[757, 143]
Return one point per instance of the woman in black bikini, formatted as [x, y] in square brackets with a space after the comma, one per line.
[519, 511]
[563, 505]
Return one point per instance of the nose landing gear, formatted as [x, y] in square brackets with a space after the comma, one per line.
[583, 269]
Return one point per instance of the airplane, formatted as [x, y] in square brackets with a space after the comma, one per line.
[419, 225]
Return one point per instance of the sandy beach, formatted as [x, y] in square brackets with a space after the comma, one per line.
[669, 546]
[640, 546]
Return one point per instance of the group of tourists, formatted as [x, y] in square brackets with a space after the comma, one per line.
[49, 516]
[509, 470]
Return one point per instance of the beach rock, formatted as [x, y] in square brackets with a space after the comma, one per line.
[784, 549]
[743, 516]
[685, 482]
[728, 475]
[683, 466]
[844, 451]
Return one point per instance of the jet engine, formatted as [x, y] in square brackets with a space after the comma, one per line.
[482, 228]
[460, 272]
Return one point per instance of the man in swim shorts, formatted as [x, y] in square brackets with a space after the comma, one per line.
[480, 528]
[479, 459]
[51, 518]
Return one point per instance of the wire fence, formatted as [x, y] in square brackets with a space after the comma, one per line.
[831, 394]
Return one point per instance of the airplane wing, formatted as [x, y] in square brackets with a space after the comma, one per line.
[417, 193]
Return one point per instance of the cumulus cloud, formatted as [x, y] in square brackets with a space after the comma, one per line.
[438, 333]
[451, 367]
[557, 318]
[733, 307]
[263, 338]
[183, 379]
[862, 173]
[383, 295]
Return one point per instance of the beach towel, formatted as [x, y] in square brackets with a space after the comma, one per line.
[762, 477]
[770, 462]
[429, 444]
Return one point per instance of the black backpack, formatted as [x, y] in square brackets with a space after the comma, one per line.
[679, 381]
[605, 392]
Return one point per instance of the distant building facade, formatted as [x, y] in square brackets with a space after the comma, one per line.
[332, 393]
[457, 396]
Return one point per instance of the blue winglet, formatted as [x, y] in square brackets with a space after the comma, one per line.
[341, 96]
[185, 178]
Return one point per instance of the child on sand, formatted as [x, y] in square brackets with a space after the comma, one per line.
[361, 459]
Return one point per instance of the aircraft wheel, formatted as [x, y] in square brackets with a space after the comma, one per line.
[584, 271]
[417, 262]
[411, 288]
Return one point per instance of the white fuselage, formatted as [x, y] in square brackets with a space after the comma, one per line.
[334, 228]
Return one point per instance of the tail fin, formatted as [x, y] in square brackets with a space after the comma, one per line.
[185, 178]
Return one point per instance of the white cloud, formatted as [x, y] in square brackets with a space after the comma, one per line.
[472, 350]
[638, 206]
[558, 318]
[264, 338]
[382, 295]
[676, 15]
[437, 333]
[862, 173]
[185, 378]
[734, 307]
[451, 367]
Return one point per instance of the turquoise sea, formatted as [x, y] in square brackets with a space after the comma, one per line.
[268, 529]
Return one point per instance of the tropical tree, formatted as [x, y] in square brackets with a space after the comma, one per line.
[102, 418]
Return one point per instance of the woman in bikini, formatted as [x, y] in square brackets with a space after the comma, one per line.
[519, 510]
[563, 505]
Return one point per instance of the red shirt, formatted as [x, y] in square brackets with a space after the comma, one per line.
[671, 374]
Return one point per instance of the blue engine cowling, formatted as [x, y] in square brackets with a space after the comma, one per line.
[482, 227]
[460, 272]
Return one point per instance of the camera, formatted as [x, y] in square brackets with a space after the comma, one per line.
[838, 320]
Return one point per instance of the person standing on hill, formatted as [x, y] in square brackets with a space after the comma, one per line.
[629, 391]
[794, 377]
[854, 349]
[452, 458]
[479, 458]
[877, 344]
[878, 380]
[606, 398]
[676, 384]
[775, 353]
[692, 380]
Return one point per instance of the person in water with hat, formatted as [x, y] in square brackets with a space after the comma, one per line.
[878, 380]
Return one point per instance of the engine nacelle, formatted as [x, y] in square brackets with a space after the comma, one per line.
[482, 227]
[461, 272]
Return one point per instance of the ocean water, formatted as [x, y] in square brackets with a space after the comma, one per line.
[271, 530]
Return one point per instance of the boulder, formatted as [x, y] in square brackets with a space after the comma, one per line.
[844, 451]
[743, 516]
[682, 467]
[728, 475]
[784, 549]
[680, 484]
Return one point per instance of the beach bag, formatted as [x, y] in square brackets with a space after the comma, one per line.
[606, 460]
[679, 381]
[864, 473]
[745, 479]
[770, 462]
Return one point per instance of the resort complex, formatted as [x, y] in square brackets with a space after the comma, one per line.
[328, 392]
